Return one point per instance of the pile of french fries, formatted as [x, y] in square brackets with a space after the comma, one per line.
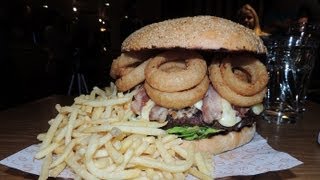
[99, 137]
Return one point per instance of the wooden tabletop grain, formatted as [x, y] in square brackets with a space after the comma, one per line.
[20, 126]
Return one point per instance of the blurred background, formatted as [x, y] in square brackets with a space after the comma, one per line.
[45, 44]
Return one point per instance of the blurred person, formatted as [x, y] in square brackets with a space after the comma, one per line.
[248, 17]
[279, 15]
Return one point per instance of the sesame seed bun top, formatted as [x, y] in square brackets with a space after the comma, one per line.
[199, 32]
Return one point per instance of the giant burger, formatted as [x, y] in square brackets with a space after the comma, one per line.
[202, 75]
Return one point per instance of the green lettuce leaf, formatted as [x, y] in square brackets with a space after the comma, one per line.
[192, 133]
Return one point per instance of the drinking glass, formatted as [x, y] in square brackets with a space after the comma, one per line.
[290, 61]
[305, 30]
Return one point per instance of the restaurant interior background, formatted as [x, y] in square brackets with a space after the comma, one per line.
[44, 42]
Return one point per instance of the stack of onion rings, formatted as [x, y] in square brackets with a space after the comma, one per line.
[220, 73]
[257, 71]
[178, 78]
[173, 83]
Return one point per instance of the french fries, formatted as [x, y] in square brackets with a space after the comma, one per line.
[45, 167]
[99, 137]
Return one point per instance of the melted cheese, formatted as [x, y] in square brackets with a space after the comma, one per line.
[228, 118]
[257, 109]
[198, 104]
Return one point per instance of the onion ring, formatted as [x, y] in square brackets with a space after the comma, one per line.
[173, 66]
[257, 71]
[125, 63]
[193, 74]
[124, 71]
[228, 94]
[120, 64]
[242, 75]
[178, 100]
[130, 80]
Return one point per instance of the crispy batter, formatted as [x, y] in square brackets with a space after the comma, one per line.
[130, 80]
[196, 69]
[253, 66]
[228, 94]
[120, 65]
[178, 100]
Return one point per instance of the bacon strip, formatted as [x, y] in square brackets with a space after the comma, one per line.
[159, 113]
[140, 100]
[211, 107]
[241, 111]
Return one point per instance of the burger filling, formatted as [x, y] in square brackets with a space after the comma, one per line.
[212, 115]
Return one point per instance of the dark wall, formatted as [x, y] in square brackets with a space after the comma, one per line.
[42, 42]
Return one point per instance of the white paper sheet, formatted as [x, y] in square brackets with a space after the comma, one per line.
[253, 158]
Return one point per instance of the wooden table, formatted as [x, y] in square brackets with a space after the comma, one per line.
[21, 125]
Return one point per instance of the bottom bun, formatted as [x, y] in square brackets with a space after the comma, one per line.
[221, 143]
